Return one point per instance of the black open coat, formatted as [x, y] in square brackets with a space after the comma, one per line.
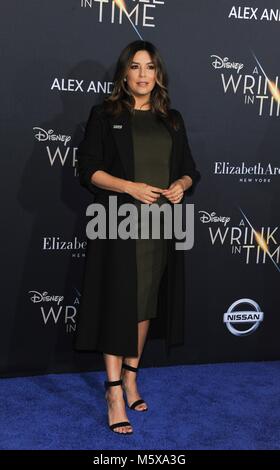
[107, 314]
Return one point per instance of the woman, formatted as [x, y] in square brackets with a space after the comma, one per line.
[136, 149]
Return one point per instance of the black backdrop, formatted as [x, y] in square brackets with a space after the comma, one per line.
[223, 61]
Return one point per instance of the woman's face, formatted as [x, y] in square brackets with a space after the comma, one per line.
[141, 76]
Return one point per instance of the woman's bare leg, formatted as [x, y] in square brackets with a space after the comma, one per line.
[114, 395]
[129, 378]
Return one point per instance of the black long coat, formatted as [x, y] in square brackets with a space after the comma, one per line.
[107, 314]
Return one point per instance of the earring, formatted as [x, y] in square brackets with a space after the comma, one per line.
[124, 79]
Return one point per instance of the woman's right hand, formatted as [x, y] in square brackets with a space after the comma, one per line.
[144, 192]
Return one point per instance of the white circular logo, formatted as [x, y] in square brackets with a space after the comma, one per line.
[234, 318]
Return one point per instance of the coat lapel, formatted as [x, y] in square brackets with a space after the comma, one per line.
[122, 132]
[121, 127]
[173, 149]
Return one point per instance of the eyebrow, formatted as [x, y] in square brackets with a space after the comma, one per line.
[133, 62]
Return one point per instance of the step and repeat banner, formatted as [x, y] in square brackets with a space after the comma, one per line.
[58, 59]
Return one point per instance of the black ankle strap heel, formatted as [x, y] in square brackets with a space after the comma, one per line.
[137, 402]
[107, 384]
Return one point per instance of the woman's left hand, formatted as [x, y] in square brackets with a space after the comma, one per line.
[175, 192]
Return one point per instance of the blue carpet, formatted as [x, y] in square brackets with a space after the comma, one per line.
[220, 406]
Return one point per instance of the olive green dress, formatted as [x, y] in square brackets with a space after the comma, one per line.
[152, 150]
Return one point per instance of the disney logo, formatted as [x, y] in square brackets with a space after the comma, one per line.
[220, 63]
[206, 218]
[44, 297]
[43, 135]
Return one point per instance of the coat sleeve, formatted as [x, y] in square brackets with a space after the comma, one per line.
[188, 166]
[90, 152]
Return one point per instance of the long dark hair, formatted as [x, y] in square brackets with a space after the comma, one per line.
[121, 97]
